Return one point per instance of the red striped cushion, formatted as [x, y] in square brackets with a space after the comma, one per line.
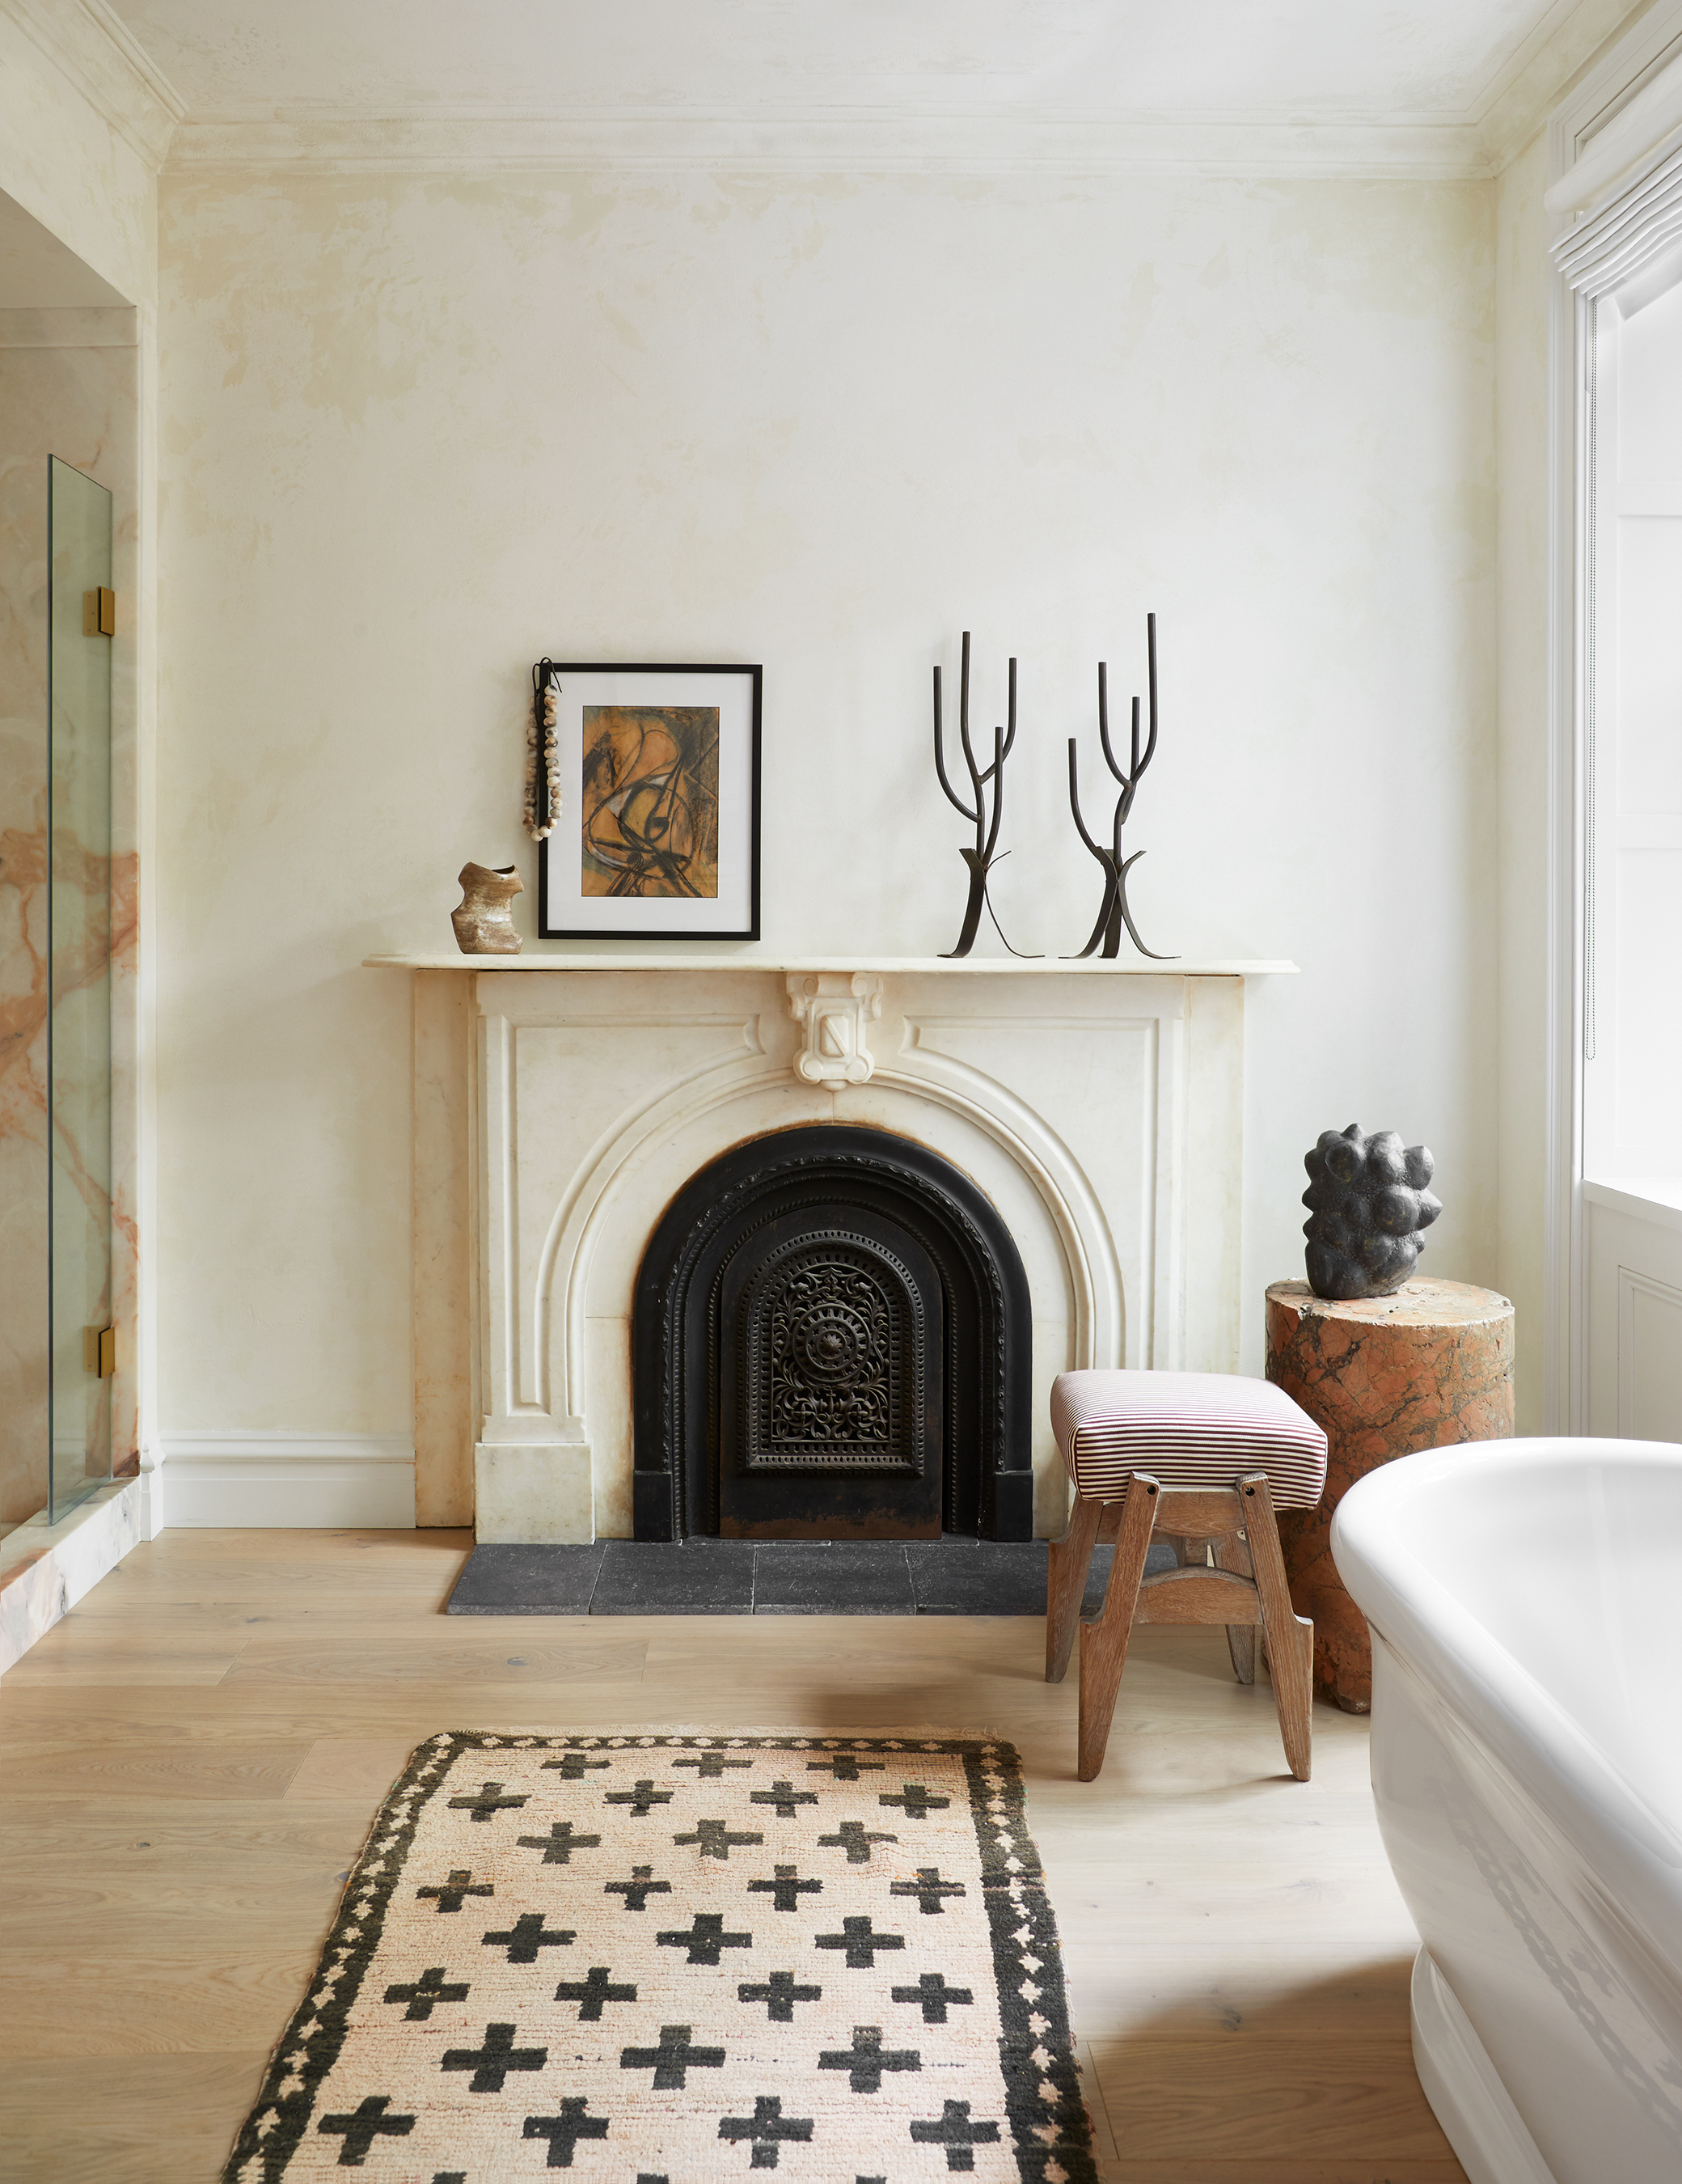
[1186, 1430]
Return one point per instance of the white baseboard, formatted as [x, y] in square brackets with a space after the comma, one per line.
[1466, 2093]
[302, 1482]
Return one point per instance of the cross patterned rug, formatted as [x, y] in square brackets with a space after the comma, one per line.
[677, 1956]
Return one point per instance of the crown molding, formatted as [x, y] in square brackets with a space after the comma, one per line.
[96, 50]
[1518, 99]
[443, 139]
[93, 49]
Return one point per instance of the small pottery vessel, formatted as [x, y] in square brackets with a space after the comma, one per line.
[484, 925]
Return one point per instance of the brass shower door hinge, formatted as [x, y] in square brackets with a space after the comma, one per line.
[99, 612]
[99, 1351]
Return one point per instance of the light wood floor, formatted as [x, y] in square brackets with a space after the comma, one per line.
[188, 1765]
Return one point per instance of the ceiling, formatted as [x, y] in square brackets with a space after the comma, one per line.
[1373, 61]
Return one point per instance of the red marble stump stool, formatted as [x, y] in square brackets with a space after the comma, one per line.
[1384, 1376]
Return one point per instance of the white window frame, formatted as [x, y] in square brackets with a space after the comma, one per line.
[1622, 121]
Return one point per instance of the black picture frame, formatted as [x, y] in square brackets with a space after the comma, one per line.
[560, 892]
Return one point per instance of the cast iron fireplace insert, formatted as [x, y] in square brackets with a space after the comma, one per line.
[831, 1340]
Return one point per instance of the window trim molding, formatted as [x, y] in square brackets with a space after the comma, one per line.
[1619, 123]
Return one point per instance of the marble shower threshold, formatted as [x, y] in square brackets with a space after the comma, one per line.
[699, 1576]
[45, 1569]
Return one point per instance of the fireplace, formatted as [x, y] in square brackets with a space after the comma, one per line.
[1068, 1131]
[832, 1339]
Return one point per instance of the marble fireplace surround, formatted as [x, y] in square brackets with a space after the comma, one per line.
[561, 1102]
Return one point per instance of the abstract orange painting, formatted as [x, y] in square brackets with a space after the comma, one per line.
[650, 802]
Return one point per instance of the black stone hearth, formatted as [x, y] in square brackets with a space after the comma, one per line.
[831, 1341]
[769, 1577]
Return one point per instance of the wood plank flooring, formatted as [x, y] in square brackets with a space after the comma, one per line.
[189, 1761]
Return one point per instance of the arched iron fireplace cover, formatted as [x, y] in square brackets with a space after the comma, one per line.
[832, 1339]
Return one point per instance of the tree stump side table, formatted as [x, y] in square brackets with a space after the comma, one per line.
[1430, 1365]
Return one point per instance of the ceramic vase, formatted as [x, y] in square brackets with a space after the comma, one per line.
[484, 923]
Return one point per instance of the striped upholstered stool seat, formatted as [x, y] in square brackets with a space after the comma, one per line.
[1186, 1430]
[1204, 1460]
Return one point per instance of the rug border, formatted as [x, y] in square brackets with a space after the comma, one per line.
[1014, 1894]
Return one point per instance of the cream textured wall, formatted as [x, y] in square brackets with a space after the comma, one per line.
[1522, 431]
[417, 430]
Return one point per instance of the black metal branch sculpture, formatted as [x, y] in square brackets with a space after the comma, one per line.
[1113, 912]
[986, 852]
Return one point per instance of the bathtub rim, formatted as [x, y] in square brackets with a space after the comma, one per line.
[1628, 1853]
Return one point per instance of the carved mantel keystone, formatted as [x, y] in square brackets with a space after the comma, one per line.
[834, 1007]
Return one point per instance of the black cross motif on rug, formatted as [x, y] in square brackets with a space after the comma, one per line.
[705, 1938]
[367, 2122]
[785, 1796]
[642, 1800]
[565, 2130]
[673, 2059]
[637, 1890]
[928, 1888]
[590, 1993]
[867, 2059]
[716, 1838]
[861, 1942]
[914, 1800]
[573, 1766]
[844, 1767]
[710, 1766]
[779, 1993]
[558, 1844]
[934, 1996]
[766, 2130]
[786, 1889]
[491, 2064]
[856, 1839]
[488, 1803]
[459, 1885]
[957, 2134]
[527, 1934]
[421, 1994]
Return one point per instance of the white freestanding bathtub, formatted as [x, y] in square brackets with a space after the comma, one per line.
[1525, 1599]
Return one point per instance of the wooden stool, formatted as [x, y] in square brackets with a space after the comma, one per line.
[1205, 1458]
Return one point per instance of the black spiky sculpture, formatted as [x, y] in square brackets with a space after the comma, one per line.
[1368, 1204]
[986, 854]
[1113, 912]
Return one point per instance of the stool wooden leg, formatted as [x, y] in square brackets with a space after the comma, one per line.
[1231, 1554]
[1064, 1583]
[1290, 1636]
[1104, 1640]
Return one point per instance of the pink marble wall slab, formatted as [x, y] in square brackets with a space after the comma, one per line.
[80, 404]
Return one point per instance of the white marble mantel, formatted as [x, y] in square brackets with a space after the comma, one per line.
[561, 1100]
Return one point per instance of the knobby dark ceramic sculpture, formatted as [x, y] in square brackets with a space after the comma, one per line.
[1368, 1204]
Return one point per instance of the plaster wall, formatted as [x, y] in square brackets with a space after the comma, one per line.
[417, 430]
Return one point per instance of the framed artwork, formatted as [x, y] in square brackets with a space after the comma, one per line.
[658, 836]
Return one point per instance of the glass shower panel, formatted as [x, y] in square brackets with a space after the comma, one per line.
[81, 612]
